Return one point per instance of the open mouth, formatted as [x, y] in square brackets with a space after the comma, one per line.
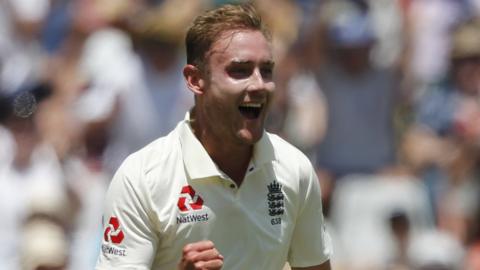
[250, 110]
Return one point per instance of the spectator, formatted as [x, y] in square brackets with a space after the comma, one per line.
[157, 84]
[34, 170]
[443, 143]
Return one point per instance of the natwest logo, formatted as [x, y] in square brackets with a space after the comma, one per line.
[113, 233]
[189, 200]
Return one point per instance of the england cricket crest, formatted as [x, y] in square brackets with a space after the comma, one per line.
[275, 201]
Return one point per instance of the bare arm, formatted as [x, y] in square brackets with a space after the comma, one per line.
[323, 266]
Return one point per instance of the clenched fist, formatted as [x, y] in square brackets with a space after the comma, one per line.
[201, 256]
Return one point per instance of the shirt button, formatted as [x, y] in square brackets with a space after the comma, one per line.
[232, 185]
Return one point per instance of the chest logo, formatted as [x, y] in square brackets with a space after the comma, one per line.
[189, 200]
[275, 201]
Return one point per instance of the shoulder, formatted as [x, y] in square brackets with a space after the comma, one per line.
[154, 155]
[143, 175]
[288, 155]
[294, 171]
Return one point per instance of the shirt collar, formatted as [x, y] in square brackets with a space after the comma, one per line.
[198, 163]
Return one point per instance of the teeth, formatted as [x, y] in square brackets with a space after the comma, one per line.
[251, 105]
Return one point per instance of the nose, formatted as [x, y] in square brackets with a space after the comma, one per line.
[258, 82]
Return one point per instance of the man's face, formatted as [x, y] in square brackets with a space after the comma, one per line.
[238, 87]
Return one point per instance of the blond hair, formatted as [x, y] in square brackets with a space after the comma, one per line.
[208, 27]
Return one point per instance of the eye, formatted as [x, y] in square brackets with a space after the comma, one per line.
[267, 73]
[239, 71]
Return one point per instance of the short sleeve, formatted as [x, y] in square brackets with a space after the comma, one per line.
[310, 244]
[129, 236]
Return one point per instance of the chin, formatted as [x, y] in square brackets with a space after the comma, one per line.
[250, 138]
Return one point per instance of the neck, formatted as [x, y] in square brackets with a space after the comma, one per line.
[232, 161]
[232, 158]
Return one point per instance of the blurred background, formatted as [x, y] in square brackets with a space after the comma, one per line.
[382, 95]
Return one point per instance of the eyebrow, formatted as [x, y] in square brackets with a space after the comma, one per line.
[245, 62]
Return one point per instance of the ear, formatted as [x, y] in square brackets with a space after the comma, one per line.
[194, 78]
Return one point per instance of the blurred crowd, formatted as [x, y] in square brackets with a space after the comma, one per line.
[382, 95]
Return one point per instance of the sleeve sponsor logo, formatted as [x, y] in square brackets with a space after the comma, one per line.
[106, 249]
[113, 233]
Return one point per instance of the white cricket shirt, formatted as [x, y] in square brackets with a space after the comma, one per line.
[171, 193]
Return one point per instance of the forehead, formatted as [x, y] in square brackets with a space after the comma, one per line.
[241, 45]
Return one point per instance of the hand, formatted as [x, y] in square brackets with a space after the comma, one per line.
[201, 256]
